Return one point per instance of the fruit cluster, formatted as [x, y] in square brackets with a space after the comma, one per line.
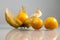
[22, 20]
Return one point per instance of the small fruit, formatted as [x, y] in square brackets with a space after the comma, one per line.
[36, 23]
[51, 23]
[27, 23]
[22, 15]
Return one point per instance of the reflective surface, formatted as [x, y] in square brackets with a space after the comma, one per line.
[17, 34]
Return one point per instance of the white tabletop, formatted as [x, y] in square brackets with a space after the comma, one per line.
[18, 34]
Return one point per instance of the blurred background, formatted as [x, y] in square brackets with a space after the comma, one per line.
[48, 8]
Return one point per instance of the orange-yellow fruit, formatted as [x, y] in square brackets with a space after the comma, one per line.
[27, 23]
[51, 23]
[22, 16]
[37, 23]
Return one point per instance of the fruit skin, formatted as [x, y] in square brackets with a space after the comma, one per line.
[11, 19]
[51, 23]
[36, 23]
[22, 15]
[27, 23]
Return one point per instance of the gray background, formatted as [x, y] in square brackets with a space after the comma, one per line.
[48, 8]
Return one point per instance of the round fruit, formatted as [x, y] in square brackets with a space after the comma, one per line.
[51, 23]
[27, 23]
[22, 14]
[37, 23]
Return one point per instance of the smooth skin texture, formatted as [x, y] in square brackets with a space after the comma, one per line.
[51, 23]
[22, 15]
[36, 23]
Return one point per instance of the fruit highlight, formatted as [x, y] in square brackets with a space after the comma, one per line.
[51, 23]
[22, 20]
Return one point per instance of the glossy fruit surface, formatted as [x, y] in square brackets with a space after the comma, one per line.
[37, 23]
[22, 15]
[51, 23]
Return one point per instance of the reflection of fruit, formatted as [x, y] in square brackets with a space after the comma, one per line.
[36, 23]
[51, 23]
[22, 15]
[36, 35]
[17, 34]
[12, 34]
[51, 35]
[12, 20]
